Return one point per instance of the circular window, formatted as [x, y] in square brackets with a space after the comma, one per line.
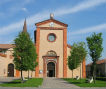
[51, 37]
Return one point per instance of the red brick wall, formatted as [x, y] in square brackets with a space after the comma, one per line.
[37, 50]
[65, 53]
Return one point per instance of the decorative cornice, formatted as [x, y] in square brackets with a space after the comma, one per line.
[50, 57]
[50, 28]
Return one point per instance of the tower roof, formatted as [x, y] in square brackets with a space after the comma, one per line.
[25, 26]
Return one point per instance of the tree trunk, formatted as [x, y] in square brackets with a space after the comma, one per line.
[31, 74]
[28, 74]
[94, 73]
[21, 77]
[80, 72]
[72, 73]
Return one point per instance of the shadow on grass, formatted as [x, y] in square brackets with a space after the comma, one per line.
[75, 82]
[11, 82]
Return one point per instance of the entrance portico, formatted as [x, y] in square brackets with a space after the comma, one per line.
[50, 66]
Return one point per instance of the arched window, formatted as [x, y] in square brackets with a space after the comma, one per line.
[51, 53]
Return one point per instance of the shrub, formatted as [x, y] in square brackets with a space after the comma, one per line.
[101, 78]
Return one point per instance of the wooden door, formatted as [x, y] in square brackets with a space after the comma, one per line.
[11, 70]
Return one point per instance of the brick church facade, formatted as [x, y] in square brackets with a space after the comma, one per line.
[52, 50]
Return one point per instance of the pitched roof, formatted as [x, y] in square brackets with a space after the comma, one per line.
[6, 46]
[98, 62]
[69, 46]
[101, 61]
[51, 20]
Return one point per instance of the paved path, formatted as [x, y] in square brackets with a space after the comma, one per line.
[56, 83]
[7, 79]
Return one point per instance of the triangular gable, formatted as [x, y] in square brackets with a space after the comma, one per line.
[51, 20]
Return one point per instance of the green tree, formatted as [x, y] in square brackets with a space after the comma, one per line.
[95, 49]
[32, 57]
[78, 54]
[72, 59]
[24, 53]
[33, 67]
[81, 53]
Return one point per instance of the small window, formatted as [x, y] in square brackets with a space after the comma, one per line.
[51, 37]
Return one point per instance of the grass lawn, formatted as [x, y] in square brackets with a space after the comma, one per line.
[34, 82]
[82, 83]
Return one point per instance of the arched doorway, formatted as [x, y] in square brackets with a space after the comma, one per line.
[10, 70]
[51, 69]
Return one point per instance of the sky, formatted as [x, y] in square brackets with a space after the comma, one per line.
[82, 16]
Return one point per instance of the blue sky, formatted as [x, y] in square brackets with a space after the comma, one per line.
[82, 16]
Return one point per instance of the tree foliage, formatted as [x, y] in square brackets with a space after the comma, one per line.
[81, 51]
[78, 54]
[24, 53]
[95, 49]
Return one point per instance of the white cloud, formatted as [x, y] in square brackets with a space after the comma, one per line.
[24, 9]
[21, 1]
[80, 7]
[43, 15]
[6, 41]
[97, 28]
[30, 21]
[15, 7]
[11, 27]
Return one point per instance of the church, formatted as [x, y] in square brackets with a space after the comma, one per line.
[50, 38]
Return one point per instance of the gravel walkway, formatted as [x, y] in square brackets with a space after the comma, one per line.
[56, 83]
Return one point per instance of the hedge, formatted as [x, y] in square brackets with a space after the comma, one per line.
[101, 78]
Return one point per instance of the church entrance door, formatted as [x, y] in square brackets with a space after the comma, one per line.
[51, 69]
[11, 70]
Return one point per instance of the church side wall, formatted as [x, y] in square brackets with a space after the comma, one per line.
[4, 61]
[31, 74]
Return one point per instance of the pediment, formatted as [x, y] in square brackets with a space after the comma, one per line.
[51, 23]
